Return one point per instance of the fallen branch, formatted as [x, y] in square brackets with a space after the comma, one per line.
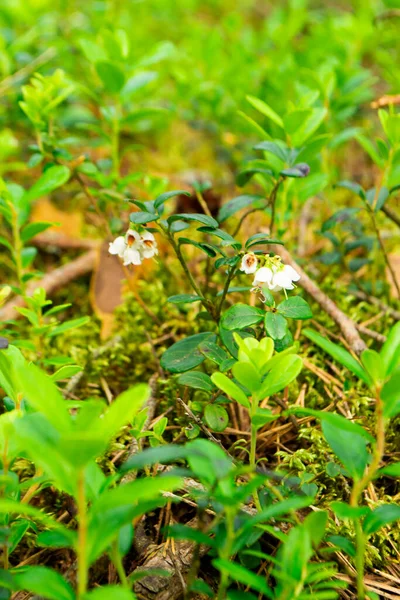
[51, 282]
[347, 325]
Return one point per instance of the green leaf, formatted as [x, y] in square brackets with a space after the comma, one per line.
[297, 171]
[167, 195]
[111, 76]
[390, 395]
[242, 575]
[108, 592]
[353, 187]
[216, 417]
[185, 354]
[337, 421]
[247, 375]
[392, 470]
[381, 516]
[238, 203]
[209, 249]
[44, 582]
[265, 110]
[140, 218]
[213, 352]
[32, 229]
[67, 325]
[43, 395]
[295, 307]
[184, 299]
[196, 380]
[390, 352]
[230, 388]
[122, 410]
[200, 218]
[281, 375]
[277, 149]
[349, 447]
[345, 511]
[343, 544]
[65, 372]
[339, 354]
[275, 325]
[240, 316]
[373, 364]
[28, 255]
[52, 178]
[260, 238]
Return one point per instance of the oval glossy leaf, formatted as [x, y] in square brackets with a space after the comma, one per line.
[233, 206]
[240, 316]
[140, 218]
[184, 299]
[196, 380]
[295, 308]
[167, 195]
[200, 218]
[275, 325]
[230, 388]
[185, 354]
[247, 375]
[216, 417]
[280, 376]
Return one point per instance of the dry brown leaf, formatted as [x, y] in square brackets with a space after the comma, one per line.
[70, 223]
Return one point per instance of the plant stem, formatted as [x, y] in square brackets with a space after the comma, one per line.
[206, 303]
[383, 249]
[82, 536]
[17, 248]
[360, 486]
[203, 203]
[117, 560]
[231, 275]
[226, 552]
[272, 202]
[360, 560]
[115, 143]
[253, 446]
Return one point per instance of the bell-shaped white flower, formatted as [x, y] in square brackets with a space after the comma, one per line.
[249, 263]
[127, 247]
[263, 277]
[118, 246]
[284, 278]
[148, 245]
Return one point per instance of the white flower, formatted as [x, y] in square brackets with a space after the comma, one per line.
[263, 277]
[127, 247]
[285, 277]
[249, 263]
[276, 277]
[148, 245]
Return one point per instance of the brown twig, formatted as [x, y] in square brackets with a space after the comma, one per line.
[51, 282]
[377, 302]
[347, 325]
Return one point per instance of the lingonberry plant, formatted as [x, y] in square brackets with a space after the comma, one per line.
[199, 354]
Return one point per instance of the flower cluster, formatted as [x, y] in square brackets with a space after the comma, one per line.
[133, 247]
[273, 275]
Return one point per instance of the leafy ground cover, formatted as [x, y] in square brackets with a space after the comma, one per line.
[199, 302]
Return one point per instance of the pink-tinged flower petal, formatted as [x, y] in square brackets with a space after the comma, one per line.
[118, 246]
[249, 263]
